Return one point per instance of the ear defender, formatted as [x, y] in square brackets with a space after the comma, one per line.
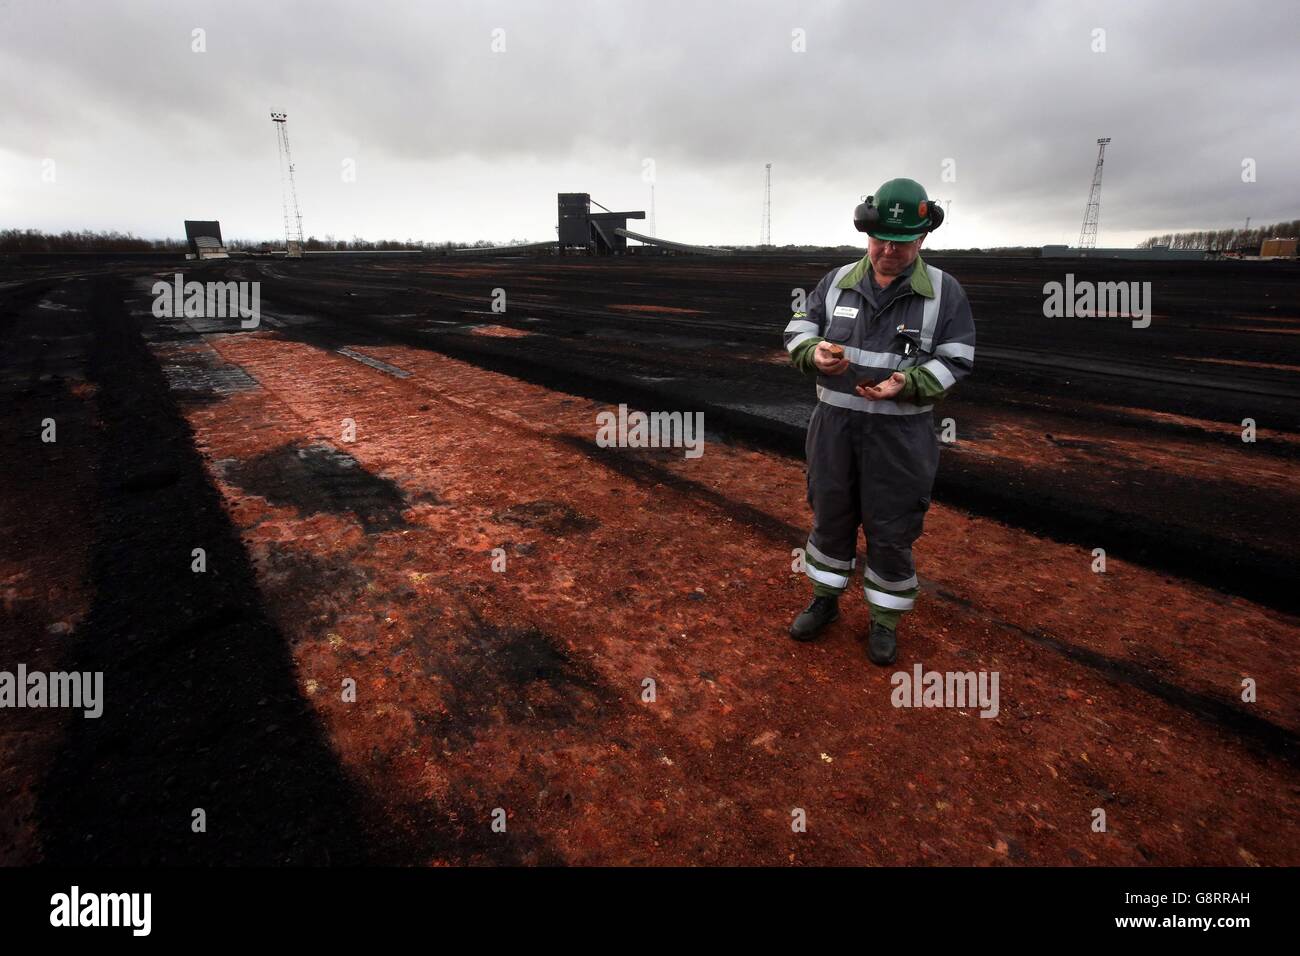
[866, 216]
[934, 211]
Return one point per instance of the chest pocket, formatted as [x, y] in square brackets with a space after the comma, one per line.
[840, 322]
[840, 319]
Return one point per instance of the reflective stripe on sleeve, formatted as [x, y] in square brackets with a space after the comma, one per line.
[956, 350]
[940, 371]
[798, 340]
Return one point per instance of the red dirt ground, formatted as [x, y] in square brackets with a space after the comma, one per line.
[500, 331]
[522, 689]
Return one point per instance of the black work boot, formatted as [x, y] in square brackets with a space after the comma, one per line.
[811, 620]
[882, 645]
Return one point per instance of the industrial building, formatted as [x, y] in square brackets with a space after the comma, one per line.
[600, 233]
[204, 239]
[1278, 249]
[593, 233]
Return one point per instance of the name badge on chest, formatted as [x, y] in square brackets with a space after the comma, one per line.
[845, 312]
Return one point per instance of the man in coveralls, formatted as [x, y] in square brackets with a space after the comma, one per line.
[887, 337]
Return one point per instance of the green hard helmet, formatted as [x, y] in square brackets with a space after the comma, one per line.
[900, 211]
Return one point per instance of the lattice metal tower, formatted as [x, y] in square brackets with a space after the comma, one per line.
[1091, 215]
[765, 238]
[288, 191]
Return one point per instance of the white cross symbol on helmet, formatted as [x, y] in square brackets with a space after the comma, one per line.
[896, 210]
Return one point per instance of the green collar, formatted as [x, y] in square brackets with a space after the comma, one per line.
[920, 277]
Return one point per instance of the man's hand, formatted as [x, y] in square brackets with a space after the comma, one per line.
[887, 388]
[830, 359]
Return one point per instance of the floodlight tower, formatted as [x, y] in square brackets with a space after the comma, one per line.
[765, 238]
[1088, 234]
[288, 191]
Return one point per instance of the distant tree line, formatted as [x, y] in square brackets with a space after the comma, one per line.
[1225, 240]
[33, 240]
[357, 244]
[86, 240]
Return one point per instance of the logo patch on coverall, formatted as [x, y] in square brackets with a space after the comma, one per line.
[845, 312]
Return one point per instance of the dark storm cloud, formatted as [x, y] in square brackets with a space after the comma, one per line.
[1013, 94]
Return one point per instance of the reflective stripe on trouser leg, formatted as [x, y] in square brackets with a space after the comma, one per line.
[887, 608]
[829, 574]
[899, 466]
[889, 599]
[893, 596]
[897, 601]
[890, 581]
[826, 581]
[834, 497]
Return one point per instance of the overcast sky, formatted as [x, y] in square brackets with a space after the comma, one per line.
[451, 140]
